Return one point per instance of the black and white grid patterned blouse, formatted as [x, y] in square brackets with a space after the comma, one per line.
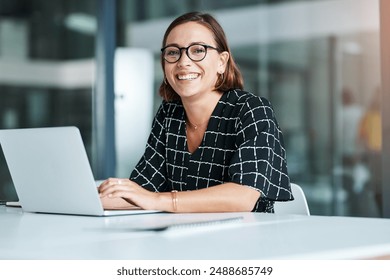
[242, 144]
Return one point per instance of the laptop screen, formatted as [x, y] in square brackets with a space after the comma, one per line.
[7, 189]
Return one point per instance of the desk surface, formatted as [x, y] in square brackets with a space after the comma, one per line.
[255, 236]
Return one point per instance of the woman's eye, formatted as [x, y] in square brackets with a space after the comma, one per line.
[172, 52]
[198, 51]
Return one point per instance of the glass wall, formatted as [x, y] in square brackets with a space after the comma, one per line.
[316, 61]
[47, 51]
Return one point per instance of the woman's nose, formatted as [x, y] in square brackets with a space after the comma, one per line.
[184, 59]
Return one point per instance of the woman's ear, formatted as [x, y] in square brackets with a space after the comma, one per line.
[223, 60]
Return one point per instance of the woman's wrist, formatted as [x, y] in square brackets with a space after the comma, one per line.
[164, 202]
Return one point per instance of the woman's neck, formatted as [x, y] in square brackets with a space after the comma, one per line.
[199, 110]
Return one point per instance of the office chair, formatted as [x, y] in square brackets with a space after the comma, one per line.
[297, 206]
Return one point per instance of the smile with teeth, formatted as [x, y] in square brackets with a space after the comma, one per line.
[191, 76]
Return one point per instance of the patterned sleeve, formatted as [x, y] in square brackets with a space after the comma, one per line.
[150, 172]
[260, 159]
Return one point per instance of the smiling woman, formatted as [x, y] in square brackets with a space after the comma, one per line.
[213, 147]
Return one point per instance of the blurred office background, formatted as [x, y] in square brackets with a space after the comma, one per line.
[317, 61]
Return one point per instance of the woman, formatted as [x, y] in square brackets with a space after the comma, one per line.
[213, 147]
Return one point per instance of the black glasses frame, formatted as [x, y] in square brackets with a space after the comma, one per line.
[187, 48]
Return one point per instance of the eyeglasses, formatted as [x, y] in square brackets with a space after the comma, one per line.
[195, 52]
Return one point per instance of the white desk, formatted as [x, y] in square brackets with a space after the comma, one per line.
[256, 236]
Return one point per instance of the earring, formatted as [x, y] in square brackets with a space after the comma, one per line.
[165, 81]
[221, 78]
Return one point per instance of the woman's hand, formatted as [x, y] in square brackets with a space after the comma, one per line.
[131, 192]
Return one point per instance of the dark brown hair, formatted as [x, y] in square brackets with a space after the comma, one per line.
[232, 77]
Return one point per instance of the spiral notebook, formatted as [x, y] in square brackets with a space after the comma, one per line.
[51, 172]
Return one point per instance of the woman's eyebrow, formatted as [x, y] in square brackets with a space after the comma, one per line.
[192, 43]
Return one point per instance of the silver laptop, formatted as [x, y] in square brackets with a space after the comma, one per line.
[51, 172]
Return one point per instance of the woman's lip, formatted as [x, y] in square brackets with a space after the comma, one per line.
[190, 76]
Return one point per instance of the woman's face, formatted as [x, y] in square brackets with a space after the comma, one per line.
[190, 78]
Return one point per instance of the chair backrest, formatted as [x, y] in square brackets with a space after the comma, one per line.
[297, 206]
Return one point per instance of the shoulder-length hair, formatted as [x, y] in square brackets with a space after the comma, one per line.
[231, 79]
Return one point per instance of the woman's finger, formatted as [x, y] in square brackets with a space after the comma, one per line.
[115, 188]
[112, 182]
